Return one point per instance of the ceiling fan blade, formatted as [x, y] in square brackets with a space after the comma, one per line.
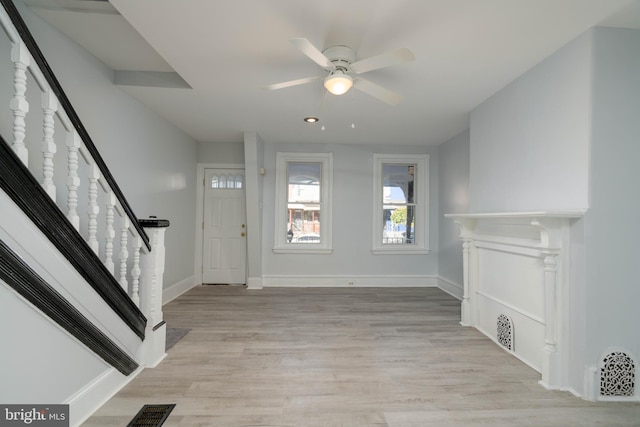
[292, 83]
[305, 46]
[395, 57]
[377, 91]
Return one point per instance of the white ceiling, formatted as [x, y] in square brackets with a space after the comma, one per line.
[227, 52]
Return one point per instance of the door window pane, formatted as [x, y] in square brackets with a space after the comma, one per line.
[227, 182]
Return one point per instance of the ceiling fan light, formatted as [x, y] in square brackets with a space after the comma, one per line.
[338, 83]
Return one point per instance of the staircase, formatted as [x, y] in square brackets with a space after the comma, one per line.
[80, 275]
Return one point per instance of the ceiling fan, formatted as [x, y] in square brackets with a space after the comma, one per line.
[343, 69]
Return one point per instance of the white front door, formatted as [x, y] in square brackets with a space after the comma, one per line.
[224, 229]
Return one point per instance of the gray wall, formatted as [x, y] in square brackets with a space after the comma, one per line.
[254, 155]
[612, 224]
[227, 153]
[153, 162]
[454, 198]
[352, 218]
[530, 141]
[32, 361]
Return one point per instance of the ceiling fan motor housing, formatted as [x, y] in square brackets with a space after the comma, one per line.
[340, 56]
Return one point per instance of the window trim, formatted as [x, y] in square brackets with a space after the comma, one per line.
[281, 245]
[421, 217]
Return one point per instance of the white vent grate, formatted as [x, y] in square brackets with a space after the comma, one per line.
[505, 331]
[618, 375]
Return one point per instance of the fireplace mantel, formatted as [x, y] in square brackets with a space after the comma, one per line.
[546, 222]
[513, 273]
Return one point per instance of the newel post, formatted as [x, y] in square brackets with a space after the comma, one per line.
[152, 269]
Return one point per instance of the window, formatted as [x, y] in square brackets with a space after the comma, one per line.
[303, 203]
[401, 204]
[228, 182]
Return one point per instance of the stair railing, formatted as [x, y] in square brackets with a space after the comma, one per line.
[117, 237]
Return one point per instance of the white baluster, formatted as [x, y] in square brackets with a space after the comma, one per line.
[135, 271]
[110, 233]
[94, 209]
[49, 107]
[19, 104]
[73, 180]
[124, 253]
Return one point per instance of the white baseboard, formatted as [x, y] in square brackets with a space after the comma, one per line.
[177, 289]
[453, 289]
[90, 398]
[254, 283]
[350, 281]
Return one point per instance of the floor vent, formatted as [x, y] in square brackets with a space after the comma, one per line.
[151, 416]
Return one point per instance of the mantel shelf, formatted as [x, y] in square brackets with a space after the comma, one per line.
[531, 214]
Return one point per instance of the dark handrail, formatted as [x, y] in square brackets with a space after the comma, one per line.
[39, 58]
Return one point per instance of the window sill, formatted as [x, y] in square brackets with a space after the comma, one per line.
[289, 250]
[401, 251]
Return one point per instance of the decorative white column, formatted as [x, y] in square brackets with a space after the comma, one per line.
[465, 315]
[551, 359]
[152, 269]
[550, 230]
[466, 232]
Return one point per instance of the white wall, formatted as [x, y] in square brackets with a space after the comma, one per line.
[530, 141]
[352, 204]
[153, 162]
[51, 366]
[228, 153]
[254, 155]
[454, 198]
[612, 225]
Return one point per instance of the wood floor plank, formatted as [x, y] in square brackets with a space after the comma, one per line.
[343, 357]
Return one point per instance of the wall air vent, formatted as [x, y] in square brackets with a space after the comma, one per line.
[505, 331]
[617, 375]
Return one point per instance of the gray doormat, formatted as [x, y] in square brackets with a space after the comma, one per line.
[174, 335]
[151, 416]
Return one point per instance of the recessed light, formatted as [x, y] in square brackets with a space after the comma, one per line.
[311, 119]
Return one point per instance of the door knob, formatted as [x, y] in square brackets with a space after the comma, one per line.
[243, 234]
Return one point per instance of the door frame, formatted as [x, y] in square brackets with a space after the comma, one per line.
[200, 175]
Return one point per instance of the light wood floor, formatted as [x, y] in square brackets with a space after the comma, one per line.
[343, 357]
